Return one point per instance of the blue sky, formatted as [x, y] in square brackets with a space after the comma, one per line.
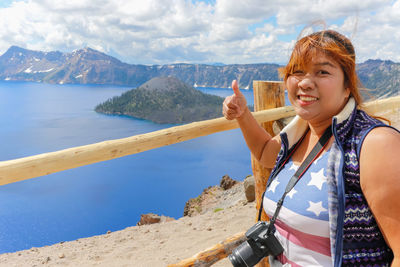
[197, 31]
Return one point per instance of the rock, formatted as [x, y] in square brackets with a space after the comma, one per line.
[149, 218]
[193, 206]
[186, 209]
[227, 182]
[203, 202]
[249, 188]
[152, 218]
[214, 198]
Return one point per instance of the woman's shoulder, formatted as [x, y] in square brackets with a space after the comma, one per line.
[381, 140]
[382, 135]
[378, 135]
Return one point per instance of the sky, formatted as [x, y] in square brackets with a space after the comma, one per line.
[156, 32]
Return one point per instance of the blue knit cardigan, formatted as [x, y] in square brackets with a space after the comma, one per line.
[356, 239]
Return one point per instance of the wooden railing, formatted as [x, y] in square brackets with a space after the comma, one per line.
[34, 166]
[267, 95]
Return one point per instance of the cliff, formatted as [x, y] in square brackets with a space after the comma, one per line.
[88, 66]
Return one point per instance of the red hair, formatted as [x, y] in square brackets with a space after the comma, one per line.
[332, 44]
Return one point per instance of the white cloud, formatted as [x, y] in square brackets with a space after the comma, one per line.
[158, 31]
[249, 10]
[308, 11]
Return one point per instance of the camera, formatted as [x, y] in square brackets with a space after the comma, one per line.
[261, 242]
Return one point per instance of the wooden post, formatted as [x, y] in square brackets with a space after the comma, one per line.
[267, 95]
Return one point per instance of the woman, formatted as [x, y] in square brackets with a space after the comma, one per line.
[344, 210]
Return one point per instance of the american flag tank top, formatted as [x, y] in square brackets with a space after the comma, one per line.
[302, 225]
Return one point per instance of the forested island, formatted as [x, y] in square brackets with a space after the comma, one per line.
[164, 100]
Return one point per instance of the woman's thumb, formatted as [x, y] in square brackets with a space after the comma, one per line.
[235, 88]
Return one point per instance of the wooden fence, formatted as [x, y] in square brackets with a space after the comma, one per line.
[268, 95]
[34, 166]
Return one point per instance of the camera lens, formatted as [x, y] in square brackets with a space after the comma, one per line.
[244, 256]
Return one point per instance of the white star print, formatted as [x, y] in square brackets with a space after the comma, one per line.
[316, 207]
[291, 193]
[316, 160]
[317, 179]
[293, 167]
[273, 185]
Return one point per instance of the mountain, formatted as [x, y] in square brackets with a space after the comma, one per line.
[21, 64]
[164, 100]
[382, 78]
[88, 66]
[84, 66]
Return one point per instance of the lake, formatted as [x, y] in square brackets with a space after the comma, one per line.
[108, 196]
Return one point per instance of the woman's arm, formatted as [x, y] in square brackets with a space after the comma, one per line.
[380, 182]
[261, 144]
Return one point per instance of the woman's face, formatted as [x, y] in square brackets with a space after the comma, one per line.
[318, 92]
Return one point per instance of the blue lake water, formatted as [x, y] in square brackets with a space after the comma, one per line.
[38, 118]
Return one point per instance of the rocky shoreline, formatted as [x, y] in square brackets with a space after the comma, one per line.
[213, 199]
[214, 216]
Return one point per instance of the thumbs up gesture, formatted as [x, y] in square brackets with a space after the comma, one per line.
[234, 105]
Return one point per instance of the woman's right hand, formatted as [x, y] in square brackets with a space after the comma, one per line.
[235, 105]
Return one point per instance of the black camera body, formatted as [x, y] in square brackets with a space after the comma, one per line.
[261, 242]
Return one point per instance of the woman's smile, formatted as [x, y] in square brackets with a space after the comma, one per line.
[305, 100]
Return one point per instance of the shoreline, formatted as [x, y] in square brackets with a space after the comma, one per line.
[157, 244]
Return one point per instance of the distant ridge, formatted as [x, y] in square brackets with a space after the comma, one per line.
[164, 100]
[381, 77]
[88, 66]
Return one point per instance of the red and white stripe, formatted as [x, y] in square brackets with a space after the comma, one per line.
[305, 240]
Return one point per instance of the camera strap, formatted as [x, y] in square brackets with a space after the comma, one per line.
[314, 154]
